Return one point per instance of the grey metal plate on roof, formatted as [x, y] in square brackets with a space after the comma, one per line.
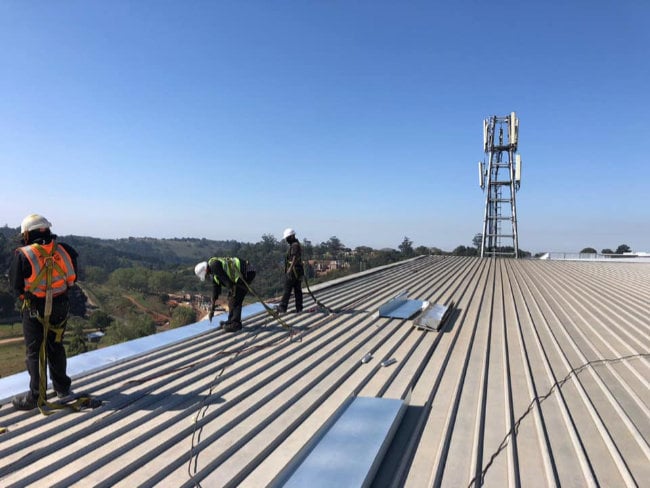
[400, 307]
[350, 448]
[433, 316]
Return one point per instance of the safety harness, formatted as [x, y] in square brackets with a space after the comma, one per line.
[47, 271]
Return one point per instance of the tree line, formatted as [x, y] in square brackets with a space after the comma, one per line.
[621, 249]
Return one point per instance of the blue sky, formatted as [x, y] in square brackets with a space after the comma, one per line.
[355, 119]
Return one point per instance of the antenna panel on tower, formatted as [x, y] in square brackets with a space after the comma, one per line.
[513, 128]
[518, 168]
[485, 135]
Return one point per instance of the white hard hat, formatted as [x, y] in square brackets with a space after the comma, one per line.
[288, 232]
[201, 269]
[33, 222]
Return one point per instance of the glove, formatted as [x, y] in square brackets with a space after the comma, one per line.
[211, 314]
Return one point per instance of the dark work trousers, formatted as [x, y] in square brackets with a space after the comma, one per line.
[292, 283]
[56, 359]
[236, 298]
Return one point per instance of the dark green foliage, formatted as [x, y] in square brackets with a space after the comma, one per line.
[76, 338]
[623, 248]
[7, 305]
[363, 251]
[8, 243]
[100, 320]
[182, 316]
[588, 250]
[160, 281]
[136, 326]
[385, 256]
[465, 251]
[406, 247]
[93, 274]
[135, 279]
[334, 247]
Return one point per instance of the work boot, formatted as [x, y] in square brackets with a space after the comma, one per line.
[232, 326]
[24, 402]
[63, 394]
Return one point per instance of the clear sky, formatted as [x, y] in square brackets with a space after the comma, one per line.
[358, 119]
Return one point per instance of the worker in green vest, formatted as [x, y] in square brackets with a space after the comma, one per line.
[233, 273]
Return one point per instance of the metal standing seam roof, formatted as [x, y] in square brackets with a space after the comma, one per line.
[540, 377]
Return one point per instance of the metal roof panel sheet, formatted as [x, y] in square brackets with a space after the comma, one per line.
[540, 376]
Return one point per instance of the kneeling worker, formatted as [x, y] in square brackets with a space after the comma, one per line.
[231, 273]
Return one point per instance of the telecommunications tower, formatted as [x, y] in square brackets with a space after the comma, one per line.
[502, 177]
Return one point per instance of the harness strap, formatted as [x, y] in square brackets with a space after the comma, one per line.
[49, 264]
[320, 304]
[59, 333]
[45, 407]
[270, 311]
[42, 368]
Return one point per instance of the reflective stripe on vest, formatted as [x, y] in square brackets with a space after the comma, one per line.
[63, 273]
[232, 267]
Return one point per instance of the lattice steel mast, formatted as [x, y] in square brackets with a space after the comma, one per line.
[502, 177]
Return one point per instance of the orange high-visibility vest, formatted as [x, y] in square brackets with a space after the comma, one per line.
[63, 272]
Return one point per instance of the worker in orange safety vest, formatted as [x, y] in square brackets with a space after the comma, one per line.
[41, 272]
